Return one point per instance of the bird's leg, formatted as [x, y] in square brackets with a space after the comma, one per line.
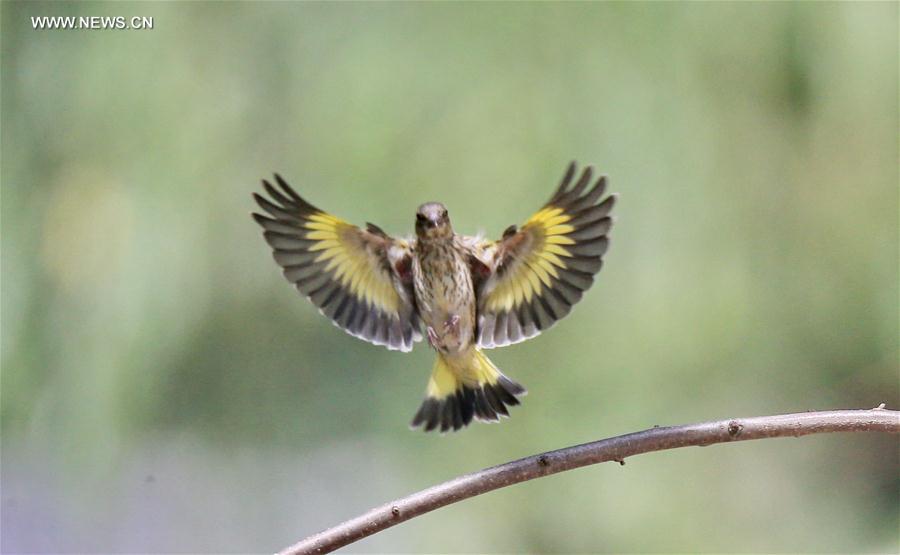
[433, 338]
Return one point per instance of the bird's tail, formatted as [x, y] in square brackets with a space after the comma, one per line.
[464, 386]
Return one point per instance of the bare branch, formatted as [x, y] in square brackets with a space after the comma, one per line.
[613, 449]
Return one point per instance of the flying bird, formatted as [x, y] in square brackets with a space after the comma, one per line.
[462, 293]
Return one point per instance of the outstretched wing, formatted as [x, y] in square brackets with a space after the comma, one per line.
[533, 276]
[358, 278]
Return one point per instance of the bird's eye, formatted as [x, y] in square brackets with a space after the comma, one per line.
[420, 217]
[444, 214]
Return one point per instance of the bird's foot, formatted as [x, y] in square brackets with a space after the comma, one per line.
[450, 330]
[451, 326]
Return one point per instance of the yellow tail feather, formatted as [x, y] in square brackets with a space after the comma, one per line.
[462, 387]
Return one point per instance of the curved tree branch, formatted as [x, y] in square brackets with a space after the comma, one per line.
[613, 449]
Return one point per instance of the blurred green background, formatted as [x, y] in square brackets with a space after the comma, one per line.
[165, 390]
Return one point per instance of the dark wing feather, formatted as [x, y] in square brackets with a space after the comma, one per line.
[349, 273]
[536, 274]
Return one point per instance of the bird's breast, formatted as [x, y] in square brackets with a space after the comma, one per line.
[443, 286]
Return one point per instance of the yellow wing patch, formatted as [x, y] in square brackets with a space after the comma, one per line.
[547, 229]
[352, 265]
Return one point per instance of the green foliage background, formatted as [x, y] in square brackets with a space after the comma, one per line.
[163, 389]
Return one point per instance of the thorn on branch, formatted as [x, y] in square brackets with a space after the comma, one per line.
[620, 461]
[879, 407]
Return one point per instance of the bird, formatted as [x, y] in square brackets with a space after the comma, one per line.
[462, 293]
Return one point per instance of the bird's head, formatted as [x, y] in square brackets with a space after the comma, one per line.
[432, 221]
